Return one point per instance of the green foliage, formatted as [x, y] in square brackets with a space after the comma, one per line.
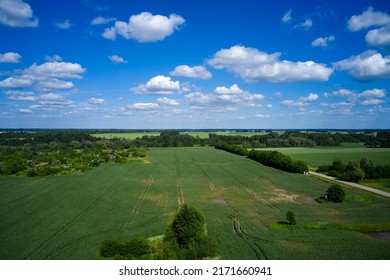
[353, 172]
[134, 248]
[278, 160]
[291, 219]
[335, 193]
[188, 224]
[110, 248]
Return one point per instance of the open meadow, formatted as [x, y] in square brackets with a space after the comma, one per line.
[244, 203]
[317, 156]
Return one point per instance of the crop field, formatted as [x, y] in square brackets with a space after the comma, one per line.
[318, 156]
[244, 203]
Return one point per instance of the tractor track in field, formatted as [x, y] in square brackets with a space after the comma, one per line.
[255, 194]
[179, 184]
[247, 239]
[148, 182]
[214, 189]
[76, 218]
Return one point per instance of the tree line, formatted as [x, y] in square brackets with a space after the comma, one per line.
[356, 171]
[273, 159]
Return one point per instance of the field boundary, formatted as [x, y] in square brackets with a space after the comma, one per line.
[351, 184]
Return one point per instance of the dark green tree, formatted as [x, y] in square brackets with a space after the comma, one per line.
[335, 193]
[353, 172]
[188, 224]
[291, 219]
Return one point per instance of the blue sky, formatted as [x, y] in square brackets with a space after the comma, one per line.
[194, 64]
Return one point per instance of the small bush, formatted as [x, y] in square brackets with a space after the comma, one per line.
[136, 247]
[290, 216]
[335, 193]
[110, 248]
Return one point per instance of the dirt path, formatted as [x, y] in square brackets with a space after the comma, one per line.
[376, 191]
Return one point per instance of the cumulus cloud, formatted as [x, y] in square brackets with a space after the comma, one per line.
[300, 102]
[234, 89]
[16, 13]
[55, 70]
[96, 101]
[287, 16]
[199, 72]
[101, 20]
[10, 57]
[168, 101]
[306, 25]
[379, 37]
[12, 82]
[63, 24]
[56, 84]
[368, 97]
[158, 85]
[145, 27]
[144, 106]
[367, 19]
[224, 98]
[117, 59]
[53, 58]
[369, 65]
[322, 41]
[255, 66]
[54, 99]
[25, 111]
[20, 95]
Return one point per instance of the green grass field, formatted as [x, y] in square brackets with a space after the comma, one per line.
[318, 156]
[66, 217]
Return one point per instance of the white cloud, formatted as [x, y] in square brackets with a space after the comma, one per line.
[96, 101]
[55, 70]
[101, 20]
[262, 116]
[369, 65]
[53, 58]
[322, 41]
[300, 102]
[54, 99]
[225, 98]
[369, 97]
[144, 106]
[367, 19]
[234, 89]
[12, 82]
[16, 13]
[379, 37]
[199, 72]
[56, 84]
[310, 98]
[254, 66]
[287, 16]
[168, 101]
[25, 111]
[10, 57]
[158, 85]
[306, 25]
[145, 27]
[342, 93]
[117, 59]
[64, 24]
[21, 95]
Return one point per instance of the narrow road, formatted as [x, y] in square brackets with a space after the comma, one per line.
[376, 191]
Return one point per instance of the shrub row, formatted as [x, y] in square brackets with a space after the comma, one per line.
[273, 159]
[278, 160]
